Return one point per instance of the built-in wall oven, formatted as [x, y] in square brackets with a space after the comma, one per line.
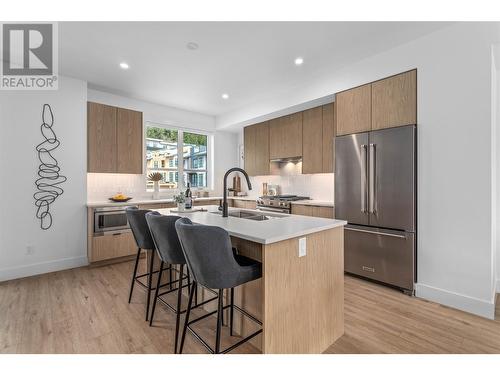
[110, 220]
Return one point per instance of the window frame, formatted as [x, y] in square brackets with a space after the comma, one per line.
[179, 168]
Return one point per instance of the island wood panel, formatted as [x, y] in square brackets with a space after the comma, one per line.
[129, 141]
[249, 295]
[394, 101]
[249, 135]
[101, 138]
[304, 297]
[328, 138]
[285, 136]
[312, 140]
[353, 110]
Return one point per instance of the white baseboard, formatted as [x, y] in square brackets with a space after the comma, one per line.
[497, 287]
[44, 267]
[462, 302]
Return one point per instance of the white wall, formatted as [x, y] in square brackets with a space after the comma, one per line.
[454, 154]
[496, 122]
[101, 185]
[65, 244]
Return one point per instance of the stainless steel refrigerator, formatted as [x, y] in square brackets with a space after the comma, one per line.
[375, 191]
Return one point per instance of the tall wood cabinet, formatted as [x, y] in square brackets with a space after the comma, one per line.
[328, 138]
[285, 136]
[256, 148]
[354, 113]
[387, 103]
[394, 101]
[318, 133]
[115, 139]
[312, 141]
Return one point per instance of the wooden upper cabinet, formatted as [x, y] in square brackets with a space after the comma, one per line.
[129, 141]
[249, 134]
[101, 138]
[114, 139]
[328, 138]
[256, 148]
[262, 149]
[354, 110]
[394, 101]
[312, 140]
[285, 136]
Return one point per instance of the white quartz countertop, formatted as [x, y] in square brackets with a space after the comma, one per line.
[264, 232]
[132, 202]
[136, 201]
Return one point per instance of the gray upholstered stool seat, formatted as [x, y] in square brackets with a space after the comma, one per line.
[137, 222]
[250, 269]
[210, 258]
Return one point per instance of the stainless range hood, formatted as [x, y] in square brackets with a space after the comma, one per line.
[286, 166]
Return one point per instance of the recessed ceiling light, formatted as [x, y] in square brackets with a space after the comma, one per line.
[299, 61]
[192, 46]
[225, 96]
[124, 65]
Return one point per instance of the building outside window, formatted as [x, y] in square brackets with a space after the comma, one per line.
[163, 147]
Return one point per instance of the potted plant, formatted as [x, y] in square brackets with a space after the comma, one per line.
[156, 177]
[180, 199]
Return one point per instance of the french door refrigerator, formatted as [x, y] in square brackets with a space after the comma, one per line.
[375, 191]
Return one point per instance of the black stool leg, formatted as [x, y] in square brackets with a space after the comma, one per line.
[150, 280]
[219, 322]
[186, 319]
[158, 282]
[231, 312]
[178, 317]
[170, 277]
[134, 274]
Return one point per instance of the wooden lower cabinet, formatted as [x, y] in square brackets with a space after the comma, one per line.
[156, 206]
[316, 211]
[211, 202]
[112, 246]
[249, 205]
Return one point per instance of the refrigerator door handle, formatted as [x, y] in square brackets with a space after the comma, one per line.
[364, 193]
[376, 233]
[372, 178]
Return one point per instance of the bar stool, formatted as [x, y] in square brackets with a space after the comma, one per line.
[137, 221]
[210, 258]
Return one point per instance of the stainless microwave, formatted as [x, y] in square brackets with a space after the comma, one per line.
[110, 220]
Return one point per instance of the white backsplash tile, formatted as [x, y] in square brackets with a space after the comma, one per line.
[101, 186]
[315, 186]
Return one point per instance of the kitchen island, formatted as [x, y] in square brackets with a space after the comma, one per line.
[300, 297]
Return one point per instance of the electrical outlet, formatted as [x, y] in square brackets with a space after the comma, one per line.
[302, 247]
[30, 250]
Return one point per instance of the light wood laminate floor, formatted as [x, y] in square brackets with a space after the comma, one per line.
[85, 310]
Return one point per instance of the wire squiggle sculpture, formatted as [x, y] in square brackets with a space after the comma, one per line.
[49, 177]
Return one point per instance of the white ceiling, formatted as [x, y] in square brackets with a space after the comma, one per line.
[247, 60]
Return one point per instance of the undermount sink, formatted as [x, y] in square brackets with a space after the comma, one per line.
[250, 215]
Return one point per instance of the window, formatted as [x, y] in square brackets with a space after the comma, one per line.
[164, 146]
[195, 159]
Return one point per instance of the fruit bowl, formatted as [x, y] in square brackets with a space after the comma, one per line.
[118, 200]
